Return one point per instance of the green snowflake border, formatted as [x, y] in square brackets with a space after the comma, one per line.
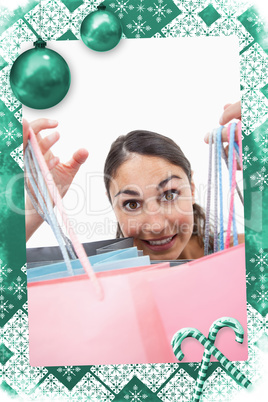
[61, 20]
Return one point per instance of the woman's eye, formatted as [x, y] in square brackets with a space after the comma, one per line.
[131, 205]
[170, 195]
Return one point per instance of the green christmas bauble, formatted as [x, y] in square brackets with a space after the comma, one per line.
[40, 78]
[101, 30]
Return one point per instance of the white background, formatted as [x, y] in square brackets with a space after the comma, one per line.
[176, 87]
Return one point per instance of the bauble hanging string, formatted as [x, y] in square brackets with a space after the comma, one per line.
[101, 30]
[40, 77]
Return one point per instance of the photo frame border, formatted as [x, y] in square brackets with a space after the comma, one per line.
[163, 19]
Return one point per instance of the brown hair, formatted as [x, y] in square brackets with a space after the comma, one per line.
[151, 144]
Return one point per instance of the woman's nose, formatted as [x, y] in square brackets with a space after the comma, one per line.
[154, 219]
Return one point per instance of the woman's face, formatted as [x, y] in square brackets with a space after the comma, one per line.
[153, 203]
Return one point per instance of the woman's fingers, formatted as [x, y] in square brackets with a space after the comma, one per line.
[227, 105]
[43, 124]
[68, 170]
[78, 158]
[46, 143]
[37, 126]
[232, 111]
[53, 162]
[226, 150]
[224, 135]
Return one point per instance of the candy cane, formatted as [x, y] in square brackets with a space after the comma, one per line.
[194, 333]
[214, 329]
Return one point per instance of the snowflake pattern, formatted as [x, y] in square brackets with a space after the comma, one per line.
[258, 291]
[189, 22]
[9, 134]
[257, 21]
[17, 155]
[68, 371]
[122, 8]
[254, 324]
[6, 306]
[5, 91]
[260, 179]
[261, 296]
[18, 288]
[250, 277]
[262, 141]
[159, 10]
[139, 27]
[260, 260]
[154, 375]
[52, 27]
[135, 394]
[24, 269]
[4, 271]
[254, 68]
[115, 376]
[21, 376]
[248, 157]
[12, 38]
[18, 115]
[254, 110]
[142, 18]
[264, 159]
[219, 386]
[179, 388]
[89, 388]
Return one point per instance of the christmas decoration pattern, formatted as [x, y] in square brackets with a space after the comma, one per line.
[61, 20]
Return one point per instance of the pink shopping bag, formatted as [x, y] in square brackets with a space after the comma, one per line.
[141, 311]
[68, 325]
[199, 293]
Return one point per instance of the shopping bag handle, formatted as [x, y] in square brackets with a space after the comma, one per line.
[42, 203]
[234, 148]
[54, 193]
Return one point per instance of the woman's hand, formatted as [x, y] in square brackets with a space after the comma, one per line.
[63, 173]
[231, 111]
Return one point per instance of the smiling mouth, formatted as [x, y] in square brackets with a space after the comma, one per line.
[159, 242]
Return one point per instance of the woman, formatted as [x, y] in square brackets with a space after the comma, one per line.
[149, 183]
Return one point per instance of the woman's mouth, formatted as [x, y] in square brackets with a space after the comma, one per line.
[165, 243]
